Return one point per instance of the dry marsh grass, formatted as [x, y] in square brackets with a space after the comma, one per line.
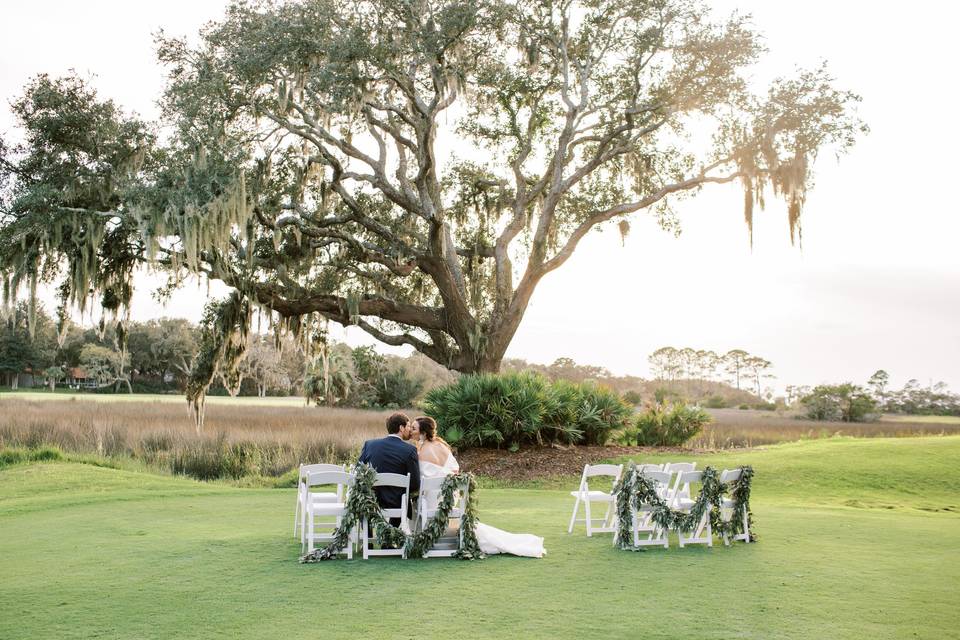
[244, 439]
[736, 428]
[238, 440]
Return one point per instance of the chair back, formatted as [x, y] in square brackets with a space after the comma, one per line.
[650, 467]
[684, 480]
[431, 484]
[306, 469]
[679, 489]
[730, 475]
[430, 495]
[430, 492]
[340, 478]
[612, 471]
[401, 482]
[592, 470]
[689, 477]
[661, 481]
[392, 480]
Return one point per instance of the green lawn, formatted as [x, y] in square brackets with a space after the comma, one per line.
[858, 539]
[66, 394]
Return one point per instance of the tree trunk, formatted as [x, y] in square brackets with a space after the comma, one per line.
[53, 384]
[15, 381]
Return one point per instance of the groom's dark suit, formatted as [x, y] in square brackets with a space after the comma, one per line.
[392, 455]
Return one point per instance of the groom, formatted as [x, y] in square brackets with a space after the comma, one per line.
[393, 454]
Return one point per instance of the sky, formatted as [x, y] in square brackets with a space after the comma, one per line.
[876, 284]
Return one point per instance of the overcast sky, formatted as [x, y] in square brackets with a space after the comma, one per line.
[877, 284]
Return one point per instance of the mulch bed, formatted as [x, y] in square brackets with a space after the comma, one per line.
[534, 463]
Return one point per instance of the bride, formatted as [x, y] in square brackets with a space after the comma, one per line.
[436, 459]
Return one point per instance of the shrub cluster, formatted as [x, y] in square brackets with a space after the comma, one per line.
[846, 402]
[669, 425]
[512, 409]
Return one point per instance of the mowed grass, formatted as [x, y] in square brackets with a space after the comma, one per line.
[858, 539]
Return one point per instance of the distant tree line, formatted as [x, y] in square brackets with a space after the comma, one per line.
[849, 402]
[736, 367]
[635, 390]
[161, 353]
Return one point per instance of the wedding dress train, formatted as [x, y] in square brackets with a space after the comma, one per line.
[491, 540]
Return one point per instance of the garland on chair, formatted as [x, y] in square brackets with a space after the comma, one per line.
[635, 489]
[362, 503]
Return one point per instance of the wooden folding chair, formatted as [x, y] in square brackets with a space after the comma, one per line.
[300, 513]
[702, 533]
[427, 506]
[331, 512]
[585, 495]
[728, 477]
[388, 480]
[641, 517]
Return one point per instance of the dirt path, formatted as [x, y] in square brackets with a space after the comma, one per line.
[531, 463]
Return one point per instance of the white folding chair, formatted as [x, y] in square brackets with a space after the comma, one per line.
[331, 512]
[300, 513]
[676, 468]
[728, 477]
[388, 480]
[427, 506]
[702, 533]
[641, 517]
[585, 495]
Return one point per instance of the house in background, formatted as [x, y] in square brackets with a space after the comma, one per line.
[77, 378]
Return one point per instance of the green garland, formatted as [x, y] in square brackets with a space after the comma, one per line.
[362, 502]
[634, 489]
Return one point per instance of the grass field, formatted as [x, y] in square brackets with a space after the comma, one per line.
[924, 419]
[240, 438]
[63, 394]
[858, 539]
[736, 428]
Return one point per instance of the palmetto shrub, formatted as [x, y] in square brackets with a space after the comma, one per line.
[512, 409]
[669, 425]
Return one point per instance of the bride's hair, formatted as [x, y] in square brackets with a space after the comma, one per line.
[428, 427]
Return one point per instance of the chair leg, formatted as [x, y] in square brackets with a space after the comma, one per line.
[586, 504]
[706, 517]
[606, 516]
[364, 538]
[296, 516]
[746, 526]
[310, 527]
[573, 518]
[303, 520]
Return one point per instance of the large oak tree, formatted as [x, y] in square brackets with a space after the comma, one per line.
[413, 168]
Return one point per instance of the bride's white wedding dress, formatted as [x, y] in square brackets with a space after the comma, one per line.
[492, 540]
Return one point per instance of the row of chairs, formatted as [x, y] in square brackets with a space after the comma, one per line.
[319, 513]
[672, 482]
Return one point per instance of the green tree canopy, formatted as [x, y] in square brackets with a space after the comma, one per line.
[310, 164]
